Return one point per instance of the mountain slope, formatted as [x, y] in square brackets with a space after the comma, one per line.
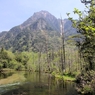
[39, 33]
[49, 18]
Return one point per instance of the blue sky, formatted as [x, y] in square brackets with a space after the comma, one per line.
[15, 12]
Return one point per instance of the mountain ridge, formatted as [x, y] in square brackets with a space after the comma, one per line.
[31, 34]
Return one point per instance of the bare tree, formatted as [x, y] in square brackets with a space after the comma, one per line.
[63, 45]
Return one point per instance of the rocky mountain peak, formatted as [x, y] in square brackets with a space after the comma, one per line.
[49, 18]
[42, 13]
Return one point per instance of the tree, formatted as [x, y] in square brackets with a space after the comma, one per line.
[92, 2]
[86, 1]
[86, 28]
[4, 58]
[63, 46]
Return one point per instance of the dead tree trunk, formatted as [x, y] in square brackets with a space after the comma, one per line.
[63, 45]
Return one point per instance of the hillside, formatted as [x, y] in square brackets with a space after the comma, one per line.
[38, 33]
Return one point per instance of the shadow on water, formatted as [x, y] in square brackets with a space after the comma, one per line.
[42, 84]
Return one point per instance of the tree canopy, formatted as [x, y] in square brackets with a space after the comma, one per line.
[85, 26]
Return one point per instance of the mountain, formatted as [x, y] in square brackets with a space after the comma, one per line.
[2, 34]
[38, 33]
[50, 20]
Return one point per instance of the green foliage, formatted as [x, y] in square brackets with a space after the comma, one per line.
[86, 82]
[48, 62]
[4, 58]
[87, 89]
[86, 27]
[19, 66]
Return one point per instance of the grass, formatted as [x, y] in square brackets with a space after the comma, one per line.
[12, 79]
[65, 77]
[7, 69]
[69, 78]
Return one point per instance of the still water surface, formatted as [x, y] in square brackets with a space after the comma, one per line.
[38, 84]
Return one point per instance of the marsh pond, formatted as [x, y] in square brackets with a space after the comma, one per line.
[31, 83]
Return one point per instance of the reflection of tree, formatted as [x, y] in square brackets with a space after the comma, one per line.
[39, 77]
[49, 84]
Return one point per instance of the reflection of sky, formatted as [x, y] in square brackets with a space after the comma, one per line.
[15, 12]
[8, 87]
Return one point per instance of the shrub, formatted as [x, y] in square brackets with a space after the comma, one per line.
[87, 89]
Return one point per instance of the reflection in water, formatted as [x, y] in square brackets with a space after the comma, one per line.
[42, 84]
[5, 75]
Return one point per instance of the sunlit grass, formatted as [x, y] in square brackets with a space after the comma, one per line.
[12, 79]
[7, 69]
[69, 78]
[65, 77]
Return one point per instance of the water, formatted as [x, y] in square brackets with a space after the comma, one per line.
[39, 84]
[5, 75]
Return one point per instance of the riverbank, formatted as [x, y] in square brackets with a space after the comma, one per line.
[7, 70]
[14, 78]
[38, 84]
[66, 78]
